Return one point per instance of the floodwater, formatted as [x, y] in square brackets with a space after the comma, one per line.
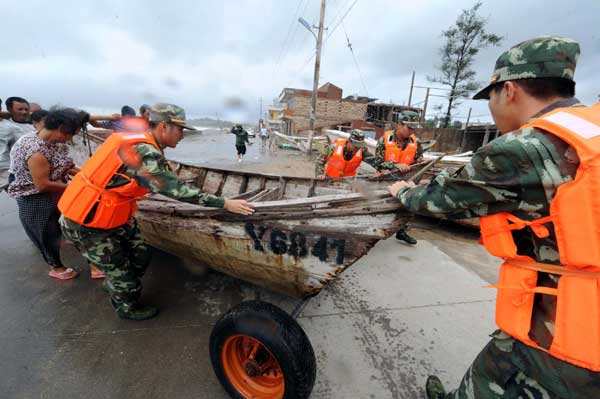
[217, 149]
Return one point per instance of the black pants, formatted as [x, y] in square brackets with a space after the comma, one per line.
[241, 149]
[39, 216]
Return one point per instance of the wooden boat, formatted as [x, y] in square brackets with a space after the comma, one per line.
[303, 234]
[297, 143]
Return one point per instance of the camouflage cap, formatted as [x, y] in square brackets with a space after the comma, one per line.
[171, 113]
[357, 137]
[542, 57]
[410, 119]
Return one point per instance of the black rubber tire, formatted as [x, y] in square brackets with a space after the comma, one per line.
[277, 331]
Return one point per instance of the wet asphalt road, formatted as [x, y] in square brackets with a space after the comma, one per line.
[397, 315]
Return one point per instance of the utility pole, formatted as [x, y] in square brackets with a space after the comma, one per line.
[313, 112]
[425, 106]
[412, 83]
[260, 113]
[464, 138]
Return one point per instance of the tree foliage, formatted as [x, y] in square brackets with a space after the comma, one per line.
[463, 41]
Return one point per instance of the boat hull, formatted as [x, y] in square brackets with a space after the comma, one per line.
[294, 257]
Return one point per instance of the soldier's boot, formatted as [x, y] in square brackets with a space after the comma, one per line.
[134, 311]
[434, 388]
[402, 235]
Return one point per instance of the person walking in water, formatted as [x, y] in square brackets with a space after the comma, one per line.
[241, 138]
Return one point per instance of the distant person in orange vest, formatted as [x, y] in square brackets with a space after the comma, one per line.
[343, 157]
[401, 147]
[98, 206]
[536, 190]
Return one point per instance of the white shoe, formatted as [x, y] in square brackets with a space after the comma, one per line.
[240, 160]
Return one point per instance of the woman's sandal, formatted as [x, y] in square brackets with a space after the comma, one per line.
[97, 275]
[68, 274]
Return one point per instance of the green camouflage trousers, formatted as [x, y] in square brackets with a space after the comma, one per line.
[120, 253]
[507, 368]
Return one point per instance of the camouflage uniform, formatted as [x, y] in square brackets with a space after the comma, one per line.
[376, 162]
[412, 120]
[120, 252]
[519, 172]
[380, 149]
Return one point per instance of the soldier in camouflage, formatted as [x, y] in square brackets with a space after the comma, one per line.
[121, 252]
[356, 141]
[404, 129]
[401, 135]
[519, 172]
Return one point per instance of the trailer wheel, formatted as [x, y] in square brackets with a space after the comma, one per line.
[258, 351]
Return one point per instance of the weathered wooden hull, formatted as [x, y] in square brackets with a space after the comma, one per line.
[304, 233]
[279, 255]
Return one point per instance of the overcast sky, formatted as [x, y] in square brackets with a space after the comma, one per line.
[221, 56]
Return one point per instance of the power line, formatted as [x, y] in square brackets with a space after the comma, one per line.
[341, 20]
[355, 61]
[328, 36]
[287, 36]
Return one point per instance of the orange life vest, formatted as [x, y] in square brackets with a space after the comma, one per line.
[337, 166]
[393, 153]
[575, 214]
[112, 207]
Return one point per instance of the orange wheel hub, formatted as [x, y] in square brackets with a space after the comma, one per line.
[252, 369]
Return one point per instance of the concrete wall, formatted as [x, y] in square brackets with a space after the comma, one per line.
[451, 140]
[447, 140]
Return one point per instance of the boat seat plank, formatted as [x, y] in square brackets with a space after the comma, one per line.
[212, 183]
[232, 186]
[247, 194]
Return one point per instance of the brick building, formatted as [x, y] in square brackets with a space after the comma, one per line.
[332, 109]
[291, 111]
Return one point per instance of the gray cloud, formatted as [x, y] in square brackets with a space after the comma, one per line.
[103, 54]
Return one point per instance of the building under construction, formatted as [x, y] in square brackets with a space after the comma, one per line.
[290, 113]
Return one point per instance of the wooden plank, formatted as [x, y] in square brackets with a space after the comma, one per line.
[247, 194]
[296, 189]
[223, 180]
[282, 185]
[244, 185]
[212, 183]
[266, 195]
[232, 185]
[311, 189]
[255, 182]
[202, 173]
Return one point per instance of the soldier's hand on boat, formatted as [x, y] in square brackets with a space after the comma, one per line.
[241, 207]
[394, 188]
[402, 167]
[424, 182]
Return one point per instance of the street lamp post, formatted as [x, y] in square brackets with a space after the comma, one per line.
[319, 39]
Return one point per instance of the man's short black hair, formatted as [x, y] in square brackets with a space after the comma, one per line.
[126, 110]
[11, 100]
[67, 120]
[543, 88]
[144, 108]
[38, 115]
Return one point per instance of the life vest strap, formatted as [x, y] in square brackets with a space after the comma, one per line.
[554, 269]
[102, 190]
[537, 226]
